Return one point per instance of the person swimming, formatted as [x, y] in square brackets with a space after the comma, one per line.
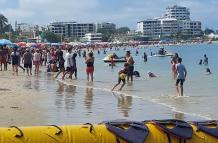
[136, 74]
[208, 72]
[151, 75]
[200, 62]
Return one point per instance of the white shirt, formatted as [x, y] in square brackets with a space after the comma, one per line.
[48, 56]
[68, 59]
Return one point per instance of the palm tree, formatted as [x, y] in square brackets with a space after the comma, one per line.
[3, 23]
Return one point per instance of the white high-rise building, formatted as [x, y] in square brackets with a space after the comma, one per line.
[175, 20]
[177, 12]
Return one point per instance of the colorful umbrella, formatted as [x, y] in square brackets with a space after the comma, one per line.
[5, 42]
[22, 44]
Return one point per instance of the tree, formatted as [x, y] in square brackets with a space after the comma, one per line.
[122, 30]
[3, 23]
[208, 31]
[107, 34]
[51, 37]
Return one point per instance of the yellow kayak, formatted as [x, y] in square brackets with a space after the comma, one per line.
[157, 131]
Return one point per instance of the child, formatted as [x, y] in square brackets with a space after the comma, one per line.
[122, 76]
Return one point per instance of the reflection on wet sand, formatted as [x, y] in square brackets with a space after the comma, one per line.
[27, 84]
[36, 85]
[65, 96]
[89, 98]
[60, 89]
[124, 104]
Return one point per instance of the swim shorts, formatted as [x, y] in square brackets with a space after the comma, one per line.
[181, 81]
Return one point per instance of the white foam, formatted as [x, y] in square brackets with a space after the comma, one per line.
[176, 110]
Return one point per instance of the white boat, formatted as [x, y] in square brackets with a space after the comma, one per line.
[116, 59]
[165, 55]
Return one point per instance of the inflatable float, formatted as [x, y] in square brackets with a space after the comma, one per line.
[116, 59]
[120, 131]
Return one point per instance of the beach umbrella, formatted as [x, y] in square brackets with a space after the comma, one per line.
[33, 45]
[22, 44]
[5, 42]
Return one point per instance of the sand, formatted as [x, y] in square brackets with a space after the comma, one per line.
[18, 106]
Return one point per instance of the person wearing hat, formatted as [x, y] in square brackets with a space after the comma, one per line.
[130, 61]
[27, 60]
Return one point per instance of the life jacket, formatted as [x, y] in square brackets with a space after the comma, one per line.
[130, 131]
[177, 128]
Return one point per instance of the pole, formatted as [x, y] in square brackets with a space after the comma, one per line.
[9, 34]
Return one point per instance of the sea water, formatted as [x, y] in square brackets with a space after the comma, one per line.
[79, 101]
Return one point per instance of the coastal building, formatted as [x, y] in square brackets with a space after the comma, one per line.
[189, 28]
[105, 25]
[72, 29]
[177, 12]
[169, 26]
[22, 28]
[175, 20]
[92, 37]
[150, 28]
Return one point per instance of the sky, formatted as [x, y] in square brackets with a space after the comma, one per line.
[120, 12]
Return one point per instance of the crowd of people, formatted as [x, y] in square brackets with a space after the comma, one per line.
[66, 64]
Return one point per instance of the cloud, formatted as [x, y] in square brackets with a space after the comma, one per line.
[121, 12]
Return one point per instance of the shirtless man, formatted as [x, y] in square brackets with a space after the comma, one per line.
[131, 62]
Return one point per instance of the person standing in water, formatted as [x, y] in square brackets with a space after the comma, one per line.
[130, 61]
[145, 57]
[174, 61]
[90, 66]
[68, 63]
[27, 60]
[74, 66]
[181, 76]
[15, 56]
[205, 60]
[37, 61]
[61, 66]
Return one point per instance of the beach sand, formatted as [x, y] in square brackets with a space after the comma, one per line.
[18, 106]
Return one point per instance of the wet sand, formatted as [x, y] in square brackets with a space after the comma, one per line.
[18, 106]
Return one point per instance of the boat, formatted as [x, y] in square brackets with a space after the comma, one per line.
[116, 59]
[163, 53]
[122, 131]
